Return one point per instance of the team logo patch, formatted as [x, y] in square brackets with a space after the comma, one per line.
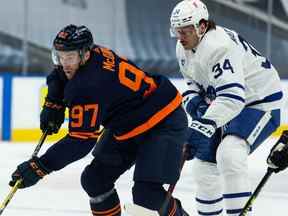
[183, 62]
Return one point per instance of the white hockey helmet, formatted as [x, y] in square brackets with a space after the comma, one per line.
[188, 12]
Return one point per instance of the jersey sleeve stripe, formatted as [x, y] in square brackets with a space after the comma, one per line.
[230, 85]
[85, 135]
[236, 97]
[189, 92]
[75, 135]
[270, 98]
[155, 119]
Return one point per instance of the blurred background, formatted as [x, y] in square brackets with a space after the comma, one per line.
[136, 29]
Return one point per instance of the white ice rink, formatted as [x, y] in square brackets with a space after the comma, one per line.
[60, 194]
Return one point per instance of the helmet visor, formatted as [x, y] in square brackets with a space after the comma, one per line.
[182, 31]
[65, 57]
[55, 57]
[173, 33]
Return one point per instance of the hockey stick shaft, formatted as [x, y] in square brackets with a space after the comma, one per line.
[259, 187]
[18, 182]
[284, 140]
[164, 207]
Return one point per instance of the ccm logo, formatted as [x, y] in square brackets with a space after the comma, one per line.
[202, 129]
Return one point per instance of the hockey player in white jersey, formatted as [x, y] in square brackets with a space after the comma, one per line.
[234, 92]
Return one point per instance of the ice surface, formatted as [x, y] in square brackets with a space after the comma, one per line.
[60, 194]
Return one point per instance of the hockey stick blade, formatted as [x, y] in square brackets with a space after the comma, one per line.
[136, 210]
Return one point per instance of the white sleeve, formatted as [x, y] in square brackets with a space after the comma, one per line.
[193, 88]
[193, 91]
[225, 71]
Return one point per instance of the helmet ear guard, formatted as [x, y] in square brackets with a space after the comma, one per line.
[188, 12]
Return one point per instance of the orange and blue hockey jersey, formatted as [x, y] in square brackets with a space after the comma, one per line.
[111, 91]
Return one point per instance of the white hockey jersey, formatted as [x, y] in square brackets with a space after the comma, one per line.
[225, 64]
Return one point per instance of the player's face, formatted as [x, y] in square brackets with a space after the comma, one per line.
[70, 61]
[187, 36]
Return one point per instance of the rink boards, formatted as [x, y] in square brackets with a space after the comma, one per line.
[22, 98]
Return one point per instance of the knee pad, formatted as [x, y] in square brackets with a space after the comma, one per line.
[232, 155]
[93, 182]
[207, 178]
[152, 196]
[148, 194]
[102, 197]
[107, 203]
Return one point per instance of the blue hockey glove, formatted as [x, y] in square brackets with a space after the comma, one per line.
[30, 172]
[195, 106]
[203, 140]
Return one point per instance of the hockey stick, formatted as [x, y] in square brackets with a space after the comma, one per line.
[284, 140]
[134, 209]
[18, 182]
[259, 187]
[171, 188]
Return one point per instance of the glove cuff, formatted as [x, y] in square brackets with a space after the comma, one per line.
[38, 167]
[190, 102]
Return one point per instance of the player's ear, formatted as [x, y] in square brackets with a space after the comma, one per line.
[202, 27]
[86, 55]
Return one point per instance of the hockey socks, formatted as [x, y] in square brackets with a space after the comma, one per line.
[152, 196]
[106, 204]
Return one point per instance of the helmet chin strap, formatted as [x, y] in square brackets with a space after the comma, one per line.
[82, 57]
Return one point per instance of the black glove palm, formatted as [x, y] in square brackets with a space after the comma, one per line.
[278, 157]
[52, 116]
[30, 172]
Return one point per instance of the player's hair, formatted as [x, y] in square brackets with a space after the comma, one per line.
[209, 23]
